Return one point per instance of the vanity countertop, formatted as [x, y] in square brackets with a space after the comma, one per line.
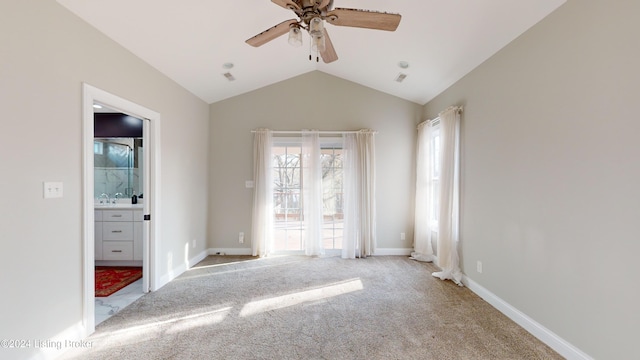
[119, 206]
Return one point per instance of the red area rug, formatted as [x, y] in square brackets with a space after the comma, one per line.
[110, 279]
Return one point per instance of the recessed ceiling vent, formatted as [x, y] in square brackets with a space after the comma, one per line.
[400, 78]
[229, 76]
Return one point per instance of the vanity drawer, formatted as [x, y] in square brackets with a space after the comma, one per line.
[117, 215]
[117, 231]
[117, 250]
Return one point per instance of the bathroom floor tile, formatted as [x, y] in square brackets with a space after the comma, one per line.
[105, 307]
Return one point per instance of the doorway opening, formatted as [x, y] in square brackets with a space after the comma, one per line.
[119, 186]
[141, 173]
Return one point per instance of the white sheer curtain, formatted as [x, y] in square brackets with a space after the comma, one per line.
[423, 251]
[359, 195]
[262, 221]
[448, 219]
[312, 192]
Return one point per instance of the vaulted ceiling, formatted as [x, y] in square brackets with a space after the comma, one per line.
[190, 41]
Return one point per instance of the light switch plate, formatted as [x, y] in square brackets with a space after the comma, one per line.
[52, 190]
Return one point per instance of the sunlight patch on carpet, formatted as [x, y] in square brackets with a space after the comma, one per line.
[279, 302]
[145, 332]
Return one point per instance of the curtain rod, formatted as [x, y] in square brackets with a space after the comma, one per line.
[317, 131]
[436, 120]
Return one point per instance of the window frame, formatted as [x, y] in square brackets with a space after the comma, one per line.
[332, 142]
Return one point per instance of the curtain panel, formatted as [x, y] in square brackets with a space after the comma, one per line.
[262, 219]
[422, 232]
[359, 207]
[359, 190]
[312, 192]
[448, 222]
[447, 195]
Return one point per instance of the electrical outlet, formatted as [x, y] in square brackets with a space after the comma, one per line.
[402, 236]
[52, 190]
[241, 238]
[193, 243]
[479, 266]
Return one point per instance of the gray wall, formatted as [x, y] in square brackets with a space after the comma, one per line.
[551, 173]
[311, 101]
[47, 53]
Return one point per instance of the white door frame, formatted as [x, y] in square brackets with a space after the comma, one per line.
[151, 140]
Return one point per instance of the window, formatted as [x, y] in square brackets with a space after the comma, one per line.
[435, 176]
[288, 203]
[332, 196]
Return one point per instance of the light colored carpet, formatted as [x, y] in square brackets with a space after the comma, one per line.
[296, 307]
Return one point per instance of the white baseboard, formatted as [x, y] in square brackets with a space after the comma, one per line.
[247, 251]
[545, 335]
[230, 251]
[196, 259]
[393, 251]
[178, 270]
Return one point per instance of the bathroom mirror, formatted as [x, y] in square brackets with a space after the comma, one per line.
[118, 157]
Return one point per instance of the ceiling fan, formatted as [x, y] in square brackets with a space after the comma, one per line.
[311, 16]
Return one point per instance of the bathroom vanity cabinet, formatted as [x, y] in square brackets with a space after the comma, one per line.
[118, 234]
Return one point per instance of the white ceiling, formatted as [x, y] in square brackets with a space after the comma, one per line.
[190, 40]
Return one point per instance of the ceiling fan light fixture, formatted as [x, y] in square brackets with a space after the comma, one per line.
[318, 44]
[316, 28]
[295, 36]
[316, 31]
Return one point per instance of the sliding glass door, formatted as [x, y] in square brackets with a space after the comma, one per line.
[288, 202]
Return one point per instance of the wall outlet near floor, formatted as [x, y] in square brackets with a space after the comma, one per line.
[402, 236]
[193, 243]
[479, 266]
[241, 238]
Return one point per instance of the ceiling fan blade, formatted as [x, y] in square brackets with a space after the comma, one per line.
[364, 19]
[271, 33]
[287, 4]
[329, 54]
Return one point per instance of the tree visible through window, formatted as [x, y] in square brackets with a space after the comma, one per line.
[288, 203]
[332, 197]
